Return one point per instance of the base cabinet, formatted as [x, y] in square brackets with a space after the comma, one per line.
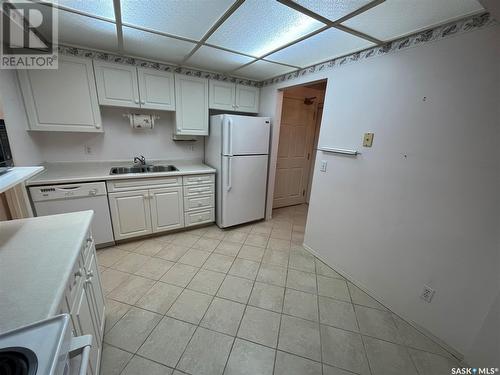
[166, 209]
[130, 213]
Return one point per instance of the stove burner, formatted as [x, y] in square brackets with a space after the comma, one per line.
[17, 361]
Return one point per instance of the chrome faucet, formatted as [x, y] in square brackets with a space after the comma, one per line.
[140, 160]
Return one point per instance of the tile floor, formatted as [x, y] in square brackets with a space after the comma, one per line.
[250, 300]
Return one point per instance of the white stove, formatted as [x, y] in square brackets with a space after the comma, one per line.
[44, 348]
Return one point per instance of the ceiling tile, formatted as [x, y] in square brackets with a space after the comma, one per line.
[328, 44]
[83, 31]
[258, 27]
[333, 9]
[101, 8]
[154, 46]
[262, 70]
[187, 18]
[216, 59]
[397, 18]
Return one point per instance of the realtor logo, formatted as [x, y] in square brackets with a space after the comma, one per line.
[29, 35]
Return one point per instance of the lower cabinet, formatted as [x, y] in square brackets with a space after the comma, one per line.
[130, 213]
[166, 209]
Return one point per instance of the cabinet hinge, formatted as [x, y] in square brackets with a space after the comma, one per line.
[308, 155]
[303, 192]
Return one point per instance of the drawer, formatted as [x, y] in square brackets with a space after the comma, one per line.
[194, 190]
[199, 217]
[74, 282]
[196, 202]
[199, 179]
[143, 183]
[87, 245]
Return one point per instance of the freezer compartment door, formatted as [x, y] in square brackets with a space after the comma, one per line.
[244, 180]
[245, 135]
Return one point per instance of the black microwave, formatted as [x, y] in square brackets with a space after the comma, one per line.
[6, 161]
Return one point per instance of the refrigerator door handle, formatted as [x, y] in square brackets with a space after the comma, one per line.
[230, 136]
[229, 177]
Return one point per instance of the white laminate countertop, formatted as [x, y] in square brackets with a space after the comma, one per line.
[16, 175]
[37, 256]
[69, 172]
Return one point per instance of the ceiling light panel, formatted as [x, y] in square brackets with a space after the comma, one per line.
[101, 8]
[258, 27]
[186, 18]
[332, 9]
[396, 18]
[216, 59]
[262, 70]
[328, 44]
[78, 30]
[153, 46]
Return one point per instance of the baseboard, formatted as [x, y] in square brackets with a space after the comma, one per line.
[459, 356]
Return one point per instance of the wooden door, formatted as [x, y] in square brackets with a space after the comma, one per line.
[167, 209]
[117, 84]
[156, 89]
[294, 152]
[130, 213]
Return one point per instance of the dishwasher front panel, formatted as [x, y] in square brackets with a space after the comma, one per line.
[101, 223]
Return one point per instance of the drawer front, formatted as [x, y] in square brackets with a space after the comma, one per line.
[194, 190]
[143, 183]
[199, 217]
[75, 281]
[199, 179]
[86, 247]
[197, 202]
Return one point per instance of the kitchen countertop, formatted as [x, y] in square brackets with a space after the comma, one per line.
[37, 256]
[16, 175]
[69, 172]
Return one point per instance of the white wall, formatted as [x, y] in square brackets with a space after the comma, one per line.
[119, 141]
[394, 223]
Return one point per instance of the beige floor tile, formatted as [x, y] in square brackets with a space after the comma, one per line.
[113, 360]
[301, 337]
[260, 326]
[300, 304]
[114, 312]
[303, 281]
[337, 313]
[129, 245]
[228, 248]
[279, 244]
[223, 316]
[131, 262]
[330, 370]
[206, 244]
[259, 240]
[236, 289]
[154, 268]
[109, 256]
[185, 239]
[333, 288]
[248, 358]
[206, 353]
[289, 364]
[139, 365]
[282, 234]
[180, 274]
[376, 323]
[251, 253]
[236, 236]
[172, 252]
[111, 278]
[131, 331]
[131, 289]
[271, 274]
[301, 261]
[266, 296]
[190, 306]
[275, 257]
[432, 364]
[244, 268]
[324, 270]
[159, 298]
[194, 257]
[215, 233]
[361, 298]
[218, 262]
[167, 341]
[149, 247]
[388, 359]
[206, 281]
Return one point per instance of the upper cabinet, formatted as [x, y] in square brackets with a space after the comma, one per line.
[63, 99]
[191, 115]
[233, 97]
[127, 86]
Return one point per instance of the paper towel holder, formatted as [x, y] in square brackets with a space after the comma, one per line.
[141, 121]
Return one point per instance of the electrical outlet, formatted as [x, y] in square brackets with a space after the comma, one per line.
[368, 140]
[322, 166]
[87, 149]
[427, 294]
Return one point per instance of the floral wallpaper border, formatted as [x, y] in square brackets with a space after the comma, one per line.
[110, 57]
[464, 25]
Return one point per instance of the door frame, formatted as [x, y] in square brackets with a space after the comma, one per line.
[275, 131]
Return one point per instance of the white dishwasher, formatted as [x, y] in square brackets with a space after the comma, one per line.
[59, 199]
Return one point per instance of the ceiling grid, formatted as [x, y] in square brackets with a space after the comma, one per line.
[254, 39]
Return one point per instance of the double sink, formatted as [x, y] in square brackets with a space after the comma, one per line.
[143, 169]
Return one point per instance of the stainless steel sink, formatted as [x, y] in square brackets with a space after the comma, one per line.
[143, 169]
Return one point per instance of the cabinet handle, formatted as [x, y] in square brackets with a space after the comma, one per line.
[143, 102]
[78, 273]
[136, 101]
[90, 274]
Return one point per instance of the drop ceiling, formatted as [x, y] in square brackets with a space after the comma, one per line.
[254, 39]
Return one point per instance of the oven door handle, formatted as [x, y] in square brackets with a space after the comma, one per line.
[81, 345]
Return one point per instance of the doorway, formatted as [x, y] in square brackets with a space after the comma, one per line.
[301, 114]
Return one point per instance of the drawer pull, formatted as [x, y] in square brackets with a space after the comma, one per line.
[78, 273]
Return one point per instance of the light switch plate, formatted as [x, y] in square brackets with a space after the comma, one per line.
[368, 139]
[322, 166]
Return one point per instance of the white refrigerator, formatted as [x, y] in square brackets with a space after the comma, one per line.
[238, 148]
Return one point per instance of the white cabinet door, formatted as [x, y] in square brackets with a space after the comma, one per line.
[63, 99]
[247, 98]
[222, 95]
[117, 84]
[130, 213]
[92, 274]
[167, 208]
[156, 89]
[191, 95]
[82, 313]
